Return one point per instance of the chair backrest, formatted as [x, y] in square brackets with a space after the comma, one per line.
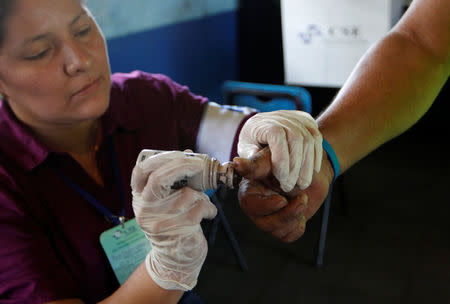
[266, 97]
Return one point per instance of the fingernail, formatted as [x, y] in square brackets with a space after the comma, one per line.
[238, 162]
[304, 199]
[302, 221]
[301, 207]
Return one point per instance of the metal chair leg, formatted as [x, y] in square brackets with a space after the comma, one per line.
[323, 229]
[234, 244]
[213, 231]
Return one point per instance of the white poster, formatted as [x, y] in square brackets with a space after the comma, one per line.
[324, 39]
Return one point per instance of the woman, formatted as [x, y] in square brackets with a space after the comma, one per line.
[70, 135]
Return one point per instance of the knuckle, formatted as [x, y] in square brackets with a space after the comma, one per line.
[275, 129]
[305, 115]
[263, 224]
[191, 219]
[293, 135]
[308, 139]
[297, 233]
[278, 234]
[187, 193]
[286, 217]
[247, 205]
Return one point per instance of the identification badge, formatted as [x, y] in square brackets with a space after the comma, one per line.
[126, 248]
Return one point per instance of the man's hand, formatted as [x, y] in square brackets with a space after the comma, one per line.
[283, 215]
[294, 141]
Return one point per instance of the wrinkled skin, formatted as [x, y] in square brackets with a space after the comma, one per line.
[283, 215]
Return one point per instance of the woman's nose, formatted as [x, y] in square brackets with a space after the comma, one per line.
[77, 59]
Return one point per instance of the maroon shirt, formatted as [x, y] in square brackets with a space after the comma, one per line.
[49, 234]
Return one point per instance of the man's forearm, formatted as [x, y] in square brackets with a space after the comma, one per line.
[393, 85]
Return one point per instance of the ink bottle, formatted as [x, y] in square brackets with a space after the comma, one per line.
[213, 175]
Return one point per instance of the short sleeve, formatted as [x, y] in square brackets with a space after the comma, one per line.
[162, 104]
[219, 130]
[188, 109]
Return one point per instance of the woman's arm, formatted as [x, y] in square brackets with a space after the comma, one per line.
[170, 219]
[139, 288]
[393, 85]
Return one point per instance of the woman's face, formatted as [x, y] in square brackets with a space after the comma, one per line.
[54, 66]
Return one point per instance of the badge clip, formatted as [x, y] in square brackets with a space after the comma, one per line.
[122, 220]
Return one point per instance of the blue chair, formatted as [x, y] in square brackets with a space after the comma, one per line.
[270, 97]
[266, 97]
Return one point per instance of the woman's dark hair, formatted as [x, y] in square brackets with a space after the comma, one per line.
[5, 11]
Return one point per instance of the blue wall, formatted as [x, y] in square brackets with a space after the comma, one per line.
[193, 42]
[201, 53]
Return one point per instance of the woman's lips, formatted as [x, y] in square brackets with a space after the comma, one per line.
[88, 89]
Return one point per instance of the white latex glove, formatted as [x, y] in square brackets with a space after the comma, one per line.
[171, 218]
[295, 143]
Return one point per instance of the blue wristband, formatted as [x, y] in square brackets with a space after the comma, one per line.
[332, 157]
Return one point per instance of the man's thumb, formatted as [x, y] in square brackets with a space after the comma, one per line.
[257, 166]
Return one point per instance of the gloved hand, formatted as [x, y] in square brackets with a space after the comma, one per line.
[171, 218]
[294, 141]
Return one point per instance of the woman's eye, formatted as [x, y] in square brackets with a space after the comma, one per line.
[38, 56]
[83, 32]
